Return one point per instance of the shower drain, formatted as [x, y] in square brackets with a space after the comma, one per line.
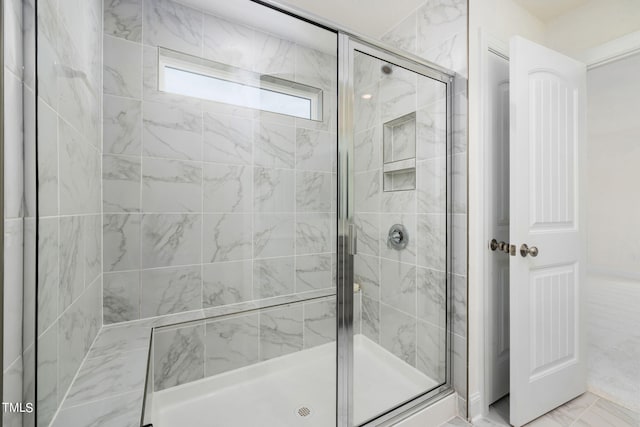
[303, 411]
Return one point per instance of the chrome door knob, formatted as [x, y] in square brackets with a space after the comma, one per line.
[526, 250]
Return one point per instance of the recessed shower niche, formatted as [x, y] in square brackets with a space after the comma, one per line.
[399, 153]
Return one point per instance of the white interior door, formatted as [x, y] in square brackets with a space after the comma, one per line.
[548, 156]
[497, 156]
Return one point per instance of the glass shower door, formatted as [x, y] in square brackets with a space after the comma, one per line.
[398, 205]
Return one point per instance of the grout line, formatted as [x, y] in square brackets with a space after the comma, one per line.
[585, 410]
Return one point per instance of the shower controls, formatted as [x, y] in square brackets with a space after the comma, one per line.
[526, 250]
[398, 237]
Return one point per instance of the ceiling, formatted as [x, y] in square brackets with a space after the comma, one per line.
[546, 10]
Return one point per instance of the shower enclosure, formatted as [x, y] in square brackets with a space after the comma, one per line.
[272, 241]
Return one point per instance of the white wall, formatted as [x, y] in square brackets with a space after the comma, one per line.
[613, 232]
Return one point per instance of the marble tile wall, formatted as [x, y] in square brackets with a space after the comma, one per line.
[69, 142]
[19, 231]
[437, 32]
[196, 350]
[209, 204]
[404, 291]
[13, 215]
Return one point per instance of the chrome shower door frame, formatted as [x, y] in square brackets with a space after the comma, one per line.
[348, 44]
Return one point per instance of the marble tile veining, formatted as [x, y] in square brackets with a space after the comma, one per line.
[273, 235]
[79, 173]
[121, 296]
[273, 190]
[227, 188]
[121, 237]
[171, 186]
[92, 235]
[108, 376]
[227, 237]
[178, 356]
[314, 272]
[122, 126]
[315, 68]
[47, 364]
[280, 331]
[398, 333]
[227, 42]
[171, 239]
[121, 183]
[274, 145]
[71, 261]
[371, 318]
[273, 277]
[315, 233]
[123, 18]
[170, 290]
[431, 350]
[368, 233]
[319, 323]
[227, 139]
[432, 291]
[403, 36]
[227, 283]
[120, 338]
[77, 329]
[273, 55]
[122, 68]
[315, 192]
[231, 343]
[48, 174]
[49, 269]
[172, 25]
[368, 144]
[172, 131]
[316, 150]
[119, 411]
[398, 285]
[367, 274]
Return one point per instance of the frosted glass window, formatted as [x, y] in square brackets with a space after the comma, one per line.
[191, 76]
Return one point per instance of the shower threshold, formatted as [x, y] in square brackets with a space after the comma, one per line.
[293, 390]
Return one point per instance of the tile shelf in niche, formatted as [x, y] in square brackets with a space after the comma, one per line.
[399, 153]
[400, 165]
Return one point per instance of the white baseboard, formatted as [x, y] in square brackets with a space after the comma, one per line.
[475, 406]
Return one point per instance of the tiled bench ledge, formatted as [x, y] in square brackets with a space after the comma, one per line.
[108, 390]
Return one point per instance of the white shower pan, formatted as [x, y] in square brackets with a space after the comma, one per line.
[293, 390]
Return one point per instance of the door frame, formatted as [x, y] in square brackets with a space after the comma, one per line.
[479, 177]
[347, 45]
[478, 239]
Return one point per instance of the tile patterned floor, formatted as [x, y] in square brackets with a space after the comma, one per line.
[588, 410]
